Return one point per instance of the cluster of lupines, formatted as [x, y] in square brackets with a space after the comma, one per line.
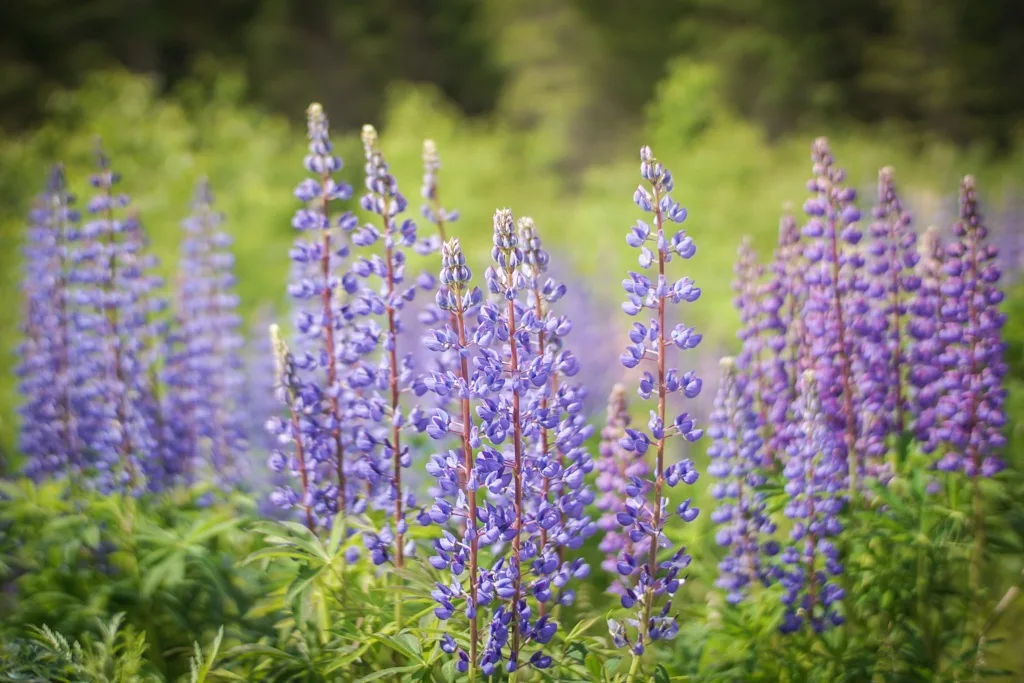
[205, 363]
[736, 461]
[873, 343]
[48, 436]
[98, 408]
[524, 449]
[646, 511]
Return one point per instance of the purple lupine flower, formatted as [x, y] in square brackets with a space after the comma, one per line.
[815, 474]
[617, 467]
[506, 371]
[555, 450]
[927, 345]
[395, 372]
[972, 410]
[892, 282]
[835, 298]
[287, 387]
[432, 209]
[48, 435]
[506, 376]
[761, 333]
[430, 316]
[319, 406]
[209, 383]
[788, 355]
[259, 404]
[646, 512]
[457, 475]
[735, 461]
[114, 297]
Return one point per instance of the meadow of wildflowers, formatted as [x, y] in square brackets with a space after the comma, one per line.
[449, 498]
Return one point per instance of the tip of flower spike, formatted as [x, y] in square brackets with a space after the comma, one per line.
[968, 183]
[429, 149]
[315, 110]
[369, 136]
[280, 349]
[727, 363]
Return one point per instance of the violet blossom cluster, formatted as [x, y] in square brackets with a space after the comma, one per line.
[206, 370]
[835, 299]
[114, 293]
[384, 455]
[972, 408]
[616, 468]
[647, 510]
[534, 499]
[927, 351]
[48, 435]
[316, 398]
[814, 484]
[760, 368]
[892, 282]
[736, 462]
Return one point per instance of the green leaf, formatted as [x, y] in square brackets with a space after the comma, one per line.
[404, 644]
[384, 673]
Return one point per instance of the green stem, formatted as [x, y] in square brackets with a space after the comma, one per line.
[634, 669]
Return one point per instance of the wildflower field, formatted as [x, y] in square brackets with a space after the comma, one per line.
[445, 412]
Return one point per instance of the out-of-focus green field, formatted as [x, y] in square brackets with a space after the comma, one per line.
[730, 179]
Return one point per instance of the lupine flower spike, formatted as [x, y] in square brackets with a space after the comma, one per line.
[834, 299]
[892, 282]
[927, 341]
[208, 387]
[456, 472]
[286, 387]
[616, 468]
[556, 446]
[383, 198]
[973, 408]
[735, 461]
[814, 474]
[317, 405]
[48, 427]
[647, 510]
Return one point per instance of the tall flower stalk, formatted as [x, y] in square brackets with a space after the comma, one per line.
[617, 467]
[286, 386]
[647, 511]
[457, 473]
[927, 341]
[208, 327]
[318, 417]
[834, 298]
[973, 407]
[48, 429]
[735, 462]
[384, 199]
[892, 282]
[814, 474]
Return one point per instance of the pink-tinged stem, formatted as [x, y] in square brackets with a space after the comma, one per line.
[517, 474]
[467, 451]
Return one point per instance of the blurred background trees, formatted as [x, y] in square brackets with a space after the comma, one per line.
[949, 67]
